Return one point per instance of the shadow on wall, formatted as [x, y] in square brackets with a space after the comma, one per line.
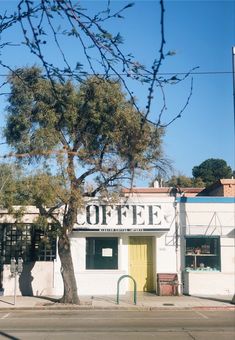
[1, 279]
[231, 234]
[26, 279]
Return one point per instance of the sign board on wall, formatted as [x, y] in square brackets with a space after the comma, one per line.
[126, 217]
[107, 252]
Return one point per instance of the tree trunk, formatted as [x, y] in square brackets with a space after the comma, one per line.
[67, 271]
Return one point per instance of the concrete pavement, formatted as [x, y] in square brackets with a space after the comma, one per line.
[145, 301]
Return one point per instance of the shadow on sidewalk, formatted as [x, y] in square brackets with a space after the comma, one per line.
[213, 298]
[7, 336]
[7, 302]
[49, 301]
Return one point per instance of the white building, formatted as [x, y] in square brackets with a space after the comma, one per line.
[150, 232]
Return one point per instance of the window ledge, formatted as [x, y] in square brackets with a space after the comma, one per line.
[202, 271]
[102, 271]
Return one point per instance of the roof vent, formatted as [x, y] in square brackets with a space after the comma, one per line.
[156, 184]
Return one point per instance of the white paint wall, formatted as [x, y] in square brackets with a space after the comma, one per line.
[211, 219]
[39, 279]
[98, 282]
[208, 283]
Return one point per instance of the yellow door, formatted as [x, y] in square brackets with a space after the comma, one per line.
[141, 262]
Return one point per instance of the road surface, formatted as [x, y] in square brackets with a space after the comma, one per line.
[116, 325]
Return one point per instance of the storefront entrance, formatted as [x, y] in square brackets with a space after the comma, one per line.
[141, 262]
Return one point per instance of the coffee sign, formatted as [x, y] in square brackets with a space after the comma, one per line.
[125, 217]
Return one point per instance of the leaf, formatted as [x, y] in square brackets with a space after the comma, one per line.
[174, 78]
[78, 66]
[119, 16]
[131, 4]
[171, 53]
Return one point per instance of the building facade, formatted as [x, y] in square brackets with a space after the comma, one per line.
[149, 233]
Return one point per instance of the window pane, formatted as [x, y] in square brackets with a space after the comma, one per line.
[202, 253]
[28, 242]
[101, 253]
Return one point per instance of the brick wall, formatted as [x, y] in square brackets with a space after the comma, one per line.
[224, 187]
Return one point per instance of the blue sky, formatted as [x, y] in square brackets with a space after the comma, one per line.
[202, 34]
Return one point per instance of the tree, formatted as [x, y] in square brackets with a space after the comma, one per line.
[11, 190]
[89, 133]
[212, 170]
[185, 182]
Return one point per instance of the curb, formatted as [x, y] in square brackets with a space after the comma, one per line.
[214, 308]
[117, 308]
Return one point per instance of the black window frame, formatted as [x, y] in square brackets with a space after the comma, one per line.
[98, 253]
[28, 242]
[202, 253]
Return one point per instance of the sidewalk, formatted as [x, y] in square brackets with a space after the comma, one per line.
[145, 301]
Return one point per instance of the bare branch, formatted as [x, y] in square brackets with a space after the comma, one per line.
[184, 107]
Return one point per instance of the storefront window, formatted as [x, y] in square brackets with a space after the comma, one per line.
[28, 242]
[101, 253]
[202, 253]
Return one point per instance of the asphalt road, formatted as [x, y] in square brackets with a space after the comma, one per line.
[104, 325]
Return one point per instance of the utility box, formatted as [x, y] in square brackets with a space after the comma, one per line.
[167, 284]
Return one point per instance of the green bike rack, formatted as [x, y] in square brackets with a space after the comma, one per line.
[118, 284]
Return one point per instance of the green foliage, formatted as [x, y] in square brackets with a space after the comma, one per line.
[18, 189]
[94, 121]
[212, 170]
[198, 182]
[10, 185]
[185, 182]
